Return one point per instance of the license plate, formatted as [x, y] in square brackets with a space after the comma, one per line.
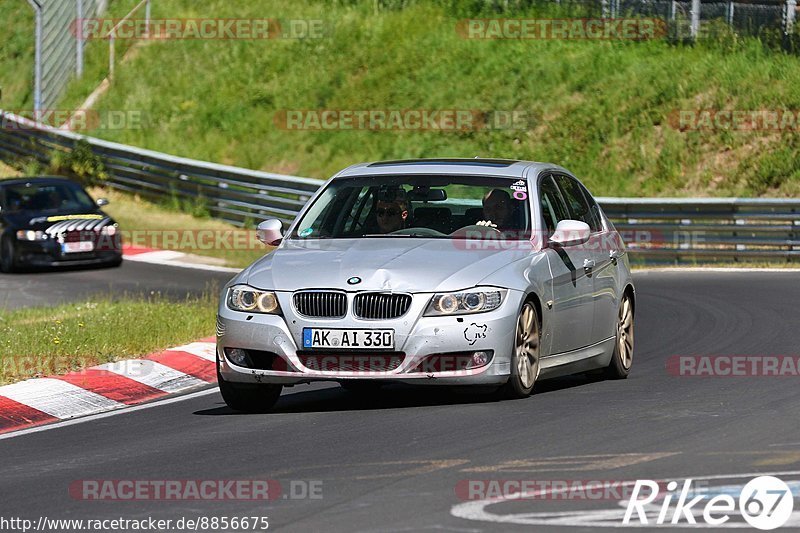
[352, 339]
[76, 247]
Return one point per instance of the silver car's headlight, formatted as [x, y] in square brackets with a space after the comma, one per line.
[478, 300]
[249, 300]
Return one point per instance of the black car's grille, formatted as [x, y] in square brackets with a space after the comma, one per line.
[378, 305]
[321, 304]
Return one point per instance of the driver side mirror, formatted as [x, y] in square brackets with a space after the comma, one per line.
[269, 232]
[570, 233]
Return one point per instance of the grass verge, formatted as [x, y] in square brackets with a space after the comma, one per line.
[157, 226]
[44, 341]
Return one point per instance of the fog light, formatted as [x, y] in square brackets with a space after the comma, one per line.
[237, 356]
[480, 359]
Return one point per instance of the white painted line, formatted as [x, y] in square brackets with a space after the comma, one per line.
[154, 374]
[206, 350]
[58, 398]
[595, 518]
[98, 416]
[714, 269]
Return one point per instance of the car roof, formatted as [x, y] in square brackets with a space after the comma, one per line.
[36, 179]
[509, 168]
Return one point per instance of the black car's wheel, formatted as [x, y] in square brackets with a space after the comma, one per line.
[249, 397]
[622, 359]
[525, 358]
[8, 259]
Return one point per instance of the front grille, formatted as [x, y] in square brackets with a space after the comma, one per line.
[321, 304]
[381, 306]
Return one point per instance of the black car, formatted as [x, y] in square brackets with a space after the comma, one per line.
[51, 221]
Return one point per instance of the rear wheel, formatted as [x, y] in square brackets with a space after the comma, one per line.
[7, 256]
[249, 397]
[525, 358]
[622, 359]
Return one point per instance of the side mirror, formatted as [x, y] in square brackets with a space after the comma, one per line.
[102, 202]
[269, 232]
[570, 233]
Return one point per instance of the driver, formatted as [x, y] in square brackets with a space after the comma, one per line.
[392, 213]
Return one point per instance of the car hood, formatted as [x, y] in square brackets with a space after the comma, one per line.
[391, 264]
[58, 221]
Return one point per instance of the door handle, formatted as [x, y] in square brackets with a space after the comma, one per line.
[588, 264]
[614, 255]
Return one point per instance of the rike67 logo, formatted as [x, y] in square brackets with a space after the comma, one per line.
[765, 503]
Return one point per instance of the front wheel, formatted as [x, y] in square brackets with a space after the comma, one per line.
[249, 397]
[622, 359]
[7, 256]
[525, 358]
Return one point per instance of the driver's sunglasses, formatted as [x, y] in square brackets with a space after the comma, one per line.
[381, 212]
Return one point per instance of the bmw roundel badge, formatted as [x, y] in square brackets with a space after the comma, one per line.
[354, 280]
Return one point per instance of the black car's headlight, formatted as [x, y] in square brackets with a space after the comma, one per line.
[249, 300]
[31, 235]
[477, 300]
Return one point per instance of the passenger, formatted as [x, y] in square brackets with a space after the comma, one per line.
[498, 209]
[392, 214]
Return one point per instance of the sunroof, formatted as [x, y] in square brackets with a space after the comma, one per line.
[495, 163]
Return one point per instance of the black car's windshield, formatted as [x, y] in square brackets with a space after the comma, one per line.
[51, 196]
[419, 206]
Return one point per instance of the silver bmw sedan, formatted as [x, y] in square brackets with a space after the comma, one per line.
[438, 272]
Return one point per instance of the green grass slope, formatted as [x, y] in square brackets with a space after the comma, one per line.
[600, 108]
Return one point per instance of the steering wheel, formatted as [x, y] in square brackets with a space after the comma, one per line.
[425, 232]
[472, 229]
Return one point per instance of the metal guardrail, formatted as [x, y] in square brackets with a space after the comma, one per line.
[656, 230]
[707, 230]
[233, 194]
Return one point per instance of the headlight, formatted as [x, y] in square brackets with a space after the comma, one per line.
[477, 300]
[30, 235]
[250, 300]
[109, 230]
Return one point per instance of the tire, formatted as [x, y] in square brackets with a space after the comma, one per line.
[8, 262]
[525, 358]
[249, 397]
[622, 359]
[361, 387]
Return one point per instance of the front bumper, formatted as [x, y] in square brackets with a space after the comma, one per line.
[49, 254]
[416, 338]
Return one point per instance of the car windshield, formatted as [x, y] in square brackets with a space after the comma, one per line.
[419, 206]
[54, 196]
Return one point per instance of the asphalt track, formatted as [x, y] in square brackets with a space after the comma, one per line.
[52, 287]
[393, 463]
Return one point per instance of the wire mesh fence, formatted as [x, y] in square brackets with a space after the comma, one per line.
[59, 53]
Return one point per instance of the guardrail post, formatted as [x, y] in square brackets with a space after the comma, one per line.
[695, 13]
[79, 38]
[729, 13]
[147, 19]
[37, 66]
[789, 15]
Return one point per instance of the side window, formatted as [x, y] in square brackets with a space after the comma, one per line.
[553, 209]
[594, 211]
[576, 202]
